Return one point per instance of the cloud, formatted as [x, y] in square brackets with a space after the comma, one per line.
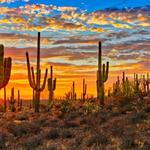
[11, 1]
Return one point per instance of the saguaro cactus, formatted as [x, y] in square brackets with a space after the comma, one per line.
[84, 90]
[5, 101]
[35, 83]
[136, 85]
[19, 102]
[51, 85]
[12, 101]
[147, 83]
[5, 68]
[102, 76]
[73, 93]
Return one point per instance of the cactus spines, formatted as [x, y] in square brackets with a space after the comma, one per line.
[12, 101]
[35, 83]
[51, 85]
[19, 102]
[84, 90]
[102, 76]
[5, 68]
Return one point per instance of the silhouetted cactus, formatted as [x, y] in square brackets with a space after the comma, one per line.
[5, 101]
[12, 101]
[73, 93]
[5, 68]
[127, 88]
[102, 76]
[35, 84]
[136, 85]
[84, 90]
[19, 101]
[5, 71]
[51, 86]
[147, 83]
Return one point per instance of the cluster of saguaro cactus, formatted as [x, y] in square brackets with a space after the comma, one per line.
[12, 101]
[73, 93]
[122, 88]
[35, 84]
[102, 76]
[19, 101]
[146, 82]
[84, 89]
[136, 88]
[51, 86]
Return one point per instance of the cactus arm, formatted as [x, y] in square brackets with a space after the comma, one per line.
[33, 76]
[7, 72]
[1, 63]
[44, 82]
[29, 72]
[54, 84]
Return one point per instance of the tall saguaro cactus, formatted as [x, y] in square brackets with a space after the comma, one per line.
[102, 76]
[35, 83]
[5, 68]
[51, 85]
[84, 90]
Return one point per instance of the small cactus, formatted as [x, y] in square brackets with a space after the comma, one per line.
[51, 86]
[19, 102]
[12, 101]
[73, 93]
[136, 85]
[84, 90]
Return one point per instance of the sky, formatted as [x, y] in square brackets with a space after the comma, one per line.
[70, 31]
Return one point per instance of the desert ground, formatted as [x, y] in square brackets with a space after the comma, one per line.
[123, 124]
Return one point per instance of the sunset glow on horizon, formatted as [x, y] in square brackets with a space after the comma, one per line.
[70, 32]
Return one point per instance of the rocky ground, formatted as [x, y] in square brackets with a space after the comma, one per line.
[123, 125]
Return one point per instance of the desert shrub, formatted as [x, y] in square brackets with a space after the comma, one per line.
[89, 107]
[71, 124]
[21, 117]
[128, 143]
[117, 131]
[2, 140]
[16, 129]
[146, 146]
[124, 101]
[65, 133]
[52, 147]
[32, 142]
[137, 118]
[147, 109]
[45, 107]
[66, 106]
[98, 139]
[52, 134]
